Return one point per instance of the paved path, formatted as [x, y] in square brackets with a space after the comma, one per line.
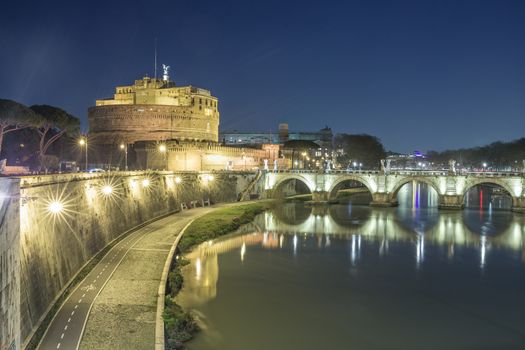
[120, 294]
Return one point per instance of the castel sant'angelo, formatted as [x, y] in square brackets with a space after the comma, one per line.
[183, 119]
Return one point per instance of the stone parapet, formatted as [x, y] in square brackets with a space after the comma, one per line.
[55, 246]
[9, 264]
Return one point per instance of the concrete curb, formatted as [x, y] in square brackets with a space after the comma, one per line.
[161, 298]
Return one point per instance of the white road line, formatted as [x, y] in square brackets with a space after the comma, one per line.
[69, 320]
[65, 328]
[83, 295]
[79, 300]
[58, 346]
[62, 336]
[72, 312]
[76, 306]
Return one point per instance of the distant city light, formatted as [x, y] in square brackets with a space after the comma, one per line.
[211, 177]
[82, 142]
[178, 180]
[145, 182]
[162, 148]
[122, 146]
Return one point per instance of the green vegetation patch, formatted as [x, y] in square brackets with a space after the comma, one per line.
[299, 198]
[219, 223]
[180, 325]
[349, 192]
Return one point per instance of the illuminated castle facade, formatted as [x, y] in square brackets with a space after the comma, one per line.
[154, 109]
[184, 120]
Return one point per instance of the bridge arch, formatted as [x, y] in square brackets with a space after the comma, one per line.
[502, 184]
[342, 179]
[402, 182]
[281, 180]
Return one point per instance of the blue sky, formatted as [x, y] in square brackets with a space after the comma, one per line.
[418, 74]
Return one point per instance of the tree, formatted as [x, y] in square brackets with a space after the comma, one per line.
[360, 148]
[54, 123]
[497, 155]
[15, 116]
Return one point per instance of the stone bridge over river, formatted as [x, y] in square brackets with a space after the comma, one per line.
[384, 186]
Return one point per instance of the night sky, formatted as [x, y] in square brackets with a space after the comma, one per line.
[417, 74]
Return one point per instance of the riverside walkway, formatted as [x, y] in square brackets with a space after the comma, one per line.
[115, 306]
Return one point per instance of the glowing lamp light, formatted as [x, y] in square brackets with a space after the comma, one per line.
[122, 146]
[178, 180]
[55, 207]
[145, 182]
[162, 148]
[107, 190]
[82, 142]
[211, 177]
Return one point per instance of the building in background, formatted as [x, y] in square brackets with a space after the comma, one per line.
[154, 124]
[413, 161]
[323, 137]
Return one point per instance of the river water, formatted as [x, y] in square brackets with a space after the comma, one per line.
[348, 276]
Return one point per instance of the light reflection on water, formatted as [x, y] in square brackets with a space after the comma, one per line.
[344, 276]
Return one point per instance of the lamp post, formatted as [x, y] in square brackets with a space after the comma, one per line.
[163, 150]
[83, 143]
[124, 147]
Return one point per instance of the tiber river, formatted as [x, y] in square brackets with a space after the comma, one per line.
[353, 277]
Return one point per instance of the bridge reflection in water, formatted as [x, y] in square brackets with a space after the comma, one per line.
[288, 226]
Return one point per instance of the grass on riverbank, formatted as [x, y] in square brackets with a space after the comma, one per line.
[219, 223]
[180, 325]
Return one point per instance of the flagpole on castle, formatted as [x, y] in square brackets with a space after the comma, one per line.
[155, 58]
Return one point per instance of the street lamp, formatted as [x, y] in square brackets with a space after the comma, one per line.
[124, 147]
[163, 150]
[83, 143]
[55, 207]
[303, 160]
[484, 166]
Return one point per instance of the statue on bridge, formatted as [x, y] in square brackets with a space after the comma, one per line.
[385, 166]
[328, 165]
[452, 167]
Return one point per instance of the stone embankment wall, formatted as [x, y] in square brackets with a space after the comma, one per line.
[9, 264]
[55, 246]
